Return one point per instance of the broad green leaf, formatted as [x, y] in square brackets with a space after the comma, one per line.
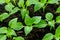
[9, 7]
[13, 23]
[37, 19]
[53, 1]
[57, 33]
[58, 19]
[3, 16]
[3, 30]
[21, 3]
[27, 29]
[24, 12]
[3, 37]
[30, 2]
[37, 6]
[43, 1]
[7, 1]
[18, 38]
[18, 26]
[11, 32]
[41, 24]
[28, 20]
[49, 16]
[51, 23]
[48, 36]
[2, 1]
[58, 10]
[14, 10]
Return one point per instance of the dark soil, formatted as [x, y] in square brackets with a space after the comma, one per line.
[36, 34]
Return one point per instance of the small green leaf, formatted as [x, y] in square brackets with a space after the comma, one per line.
[3, 30]
[30, 2]
[11, 32]
[41, 24]
[3, 37]
[3, 16]
[58, 10]
[13, 23]
[24, 12]
[27, 29]
[18, 26]
[14, 10]
[7, 1]
[58, 19]
[21, 3]
[51, 23]
[18, 38]
[53, 1]
[57, 33]
[37, 6]
[37, 19]
[28, 20]
[2, 1]
[9, 7]
[48, 36]
[49, 16]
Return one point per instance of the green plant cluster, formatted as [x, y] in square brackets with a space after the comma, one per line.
[30, 22]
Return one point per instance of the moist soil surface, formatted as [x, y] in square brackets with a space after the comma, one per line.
[36, 33]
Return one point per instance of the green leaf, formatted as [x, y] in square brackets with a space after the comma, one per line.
[44, 1]
[18, 38]
[51, 23]
[14, 10]
[21, 3]
[41, 24]
[13, 23]
[27, 29]
[58, 10]
[18, 26]
[37, 6]
[49, 16]
[57, 33]
[3, 37]
[2, 1]
[7, 1]
[3, 16]
[30, 2]
[9, 7]
[11, 32]
[28, 20]
[37, 19]
[3, 30]
[48, 36]
[53, 1]
[58, 19]
[24, 12]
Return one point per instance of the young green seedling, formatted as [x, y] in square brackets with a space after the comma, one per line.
[58, 10]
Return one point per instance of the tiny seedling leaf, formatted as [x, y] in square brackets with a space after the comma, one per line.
[18, 38]
[58, 10]
[58, 19]
[11, 32]
[41, 24]
[24, 12]
[48, 36]
[2, 1]
[3, 30]
[3, 37]
[37, 19]
[27, 29]
[7, 1]
[3, 16]
[21, 3]
[28, 20]
[9, 7]
[49, 16]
